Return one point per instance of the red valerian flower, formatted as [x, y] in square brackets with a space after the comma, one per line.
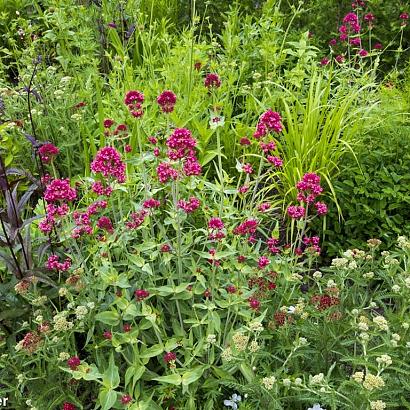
[296, 212]
[245, 141]
[59, 190]
[126, 328]
[69, 406]
[47, 152]
[126, 399]
[231, 289]
[165, 172]
[54, 264]
[212, 80]
[31, 342]
[107, 335]
[167, 100]
[270, 121]
[321, 208]
[324, 61]
[254, 303]
[197, 65]
[151, 203]
[137, 219]
[165, 248]
[133, 100]
[108, 123]
[247, 168]
[216, 223]
[363, 53]
[170, 357]
[263, 262]
[141, 294]
[108, 162]
[207, 294]
[73, 362]
[105, 223]
[189, 206]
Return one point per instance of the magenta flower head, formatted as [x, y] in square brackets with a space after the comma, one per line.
[181, 144]
[254, 303]
[73, 362]
[369, 17]
[247, 168]
[133, 100]
[378, 46]
[167, 100]
[47, 152]
[108, 162]
[321, 208]
[53, 263]
[275, 161]
[105, 224]
[404, 16]
[216, 223]
[107, 335]
[69, 406]
[245, 141]
[296, 212]
[141, 294]
[340, 59]
[165, 172]
[126, 399]
[263, 262]
[212, 80]
[170, 357]
[59, 190]
[324, 61]
[332, 42]
[363, 53]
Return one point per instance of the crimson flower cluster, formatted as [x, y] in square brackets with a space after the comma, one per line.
[141, 294]
[108, 162]
[83, 219]
[270, 121]
[133, 100]
[167, 100]
[308, 190]
[59, 190]
[53, 263]
[189, 206]
[47, 152]
[212, 80]
[137, 219]
[216, 226]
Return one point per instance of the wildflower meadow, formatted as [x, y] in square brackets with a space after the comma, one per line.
[204, 205]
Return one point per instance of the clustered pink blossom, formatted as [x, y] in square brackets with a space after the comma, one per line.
[296, 212]
[108, 162]
[189, 206]
[53, 263]
[212, 80]
[247, 228]
[166, 172]
[167, 100]
[272, 244]
[170, 357]
[243, 189]
[133, 100]
[312, 243]
[73, 362]
[254, 303]
[275, 161]
[107, 335]
[264, 207]
[126, 399]
[105, 224]
[47, 152]
[363, 53]
[69, 406]
[108, 123]
[52, 211]
[181, 144]
[309, 188]
[59, 190]
[263, 262]
[269, 146]
[151, 203]
[165, 248]
[270, 121]
[247, 168]
[141, 294]
[83, 219]
[216, 223]
[244, 141]
[98, 188]
[324, 61]
[137, 219]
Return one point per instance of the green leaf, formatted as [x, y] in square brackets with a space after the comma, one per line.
[130, 312]
[109, 318]
[152, 351]
[175, 379]
[111, 377]
[107, 398]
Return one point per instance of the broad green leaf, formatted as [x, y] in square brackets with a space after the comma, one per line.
[109, 318]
